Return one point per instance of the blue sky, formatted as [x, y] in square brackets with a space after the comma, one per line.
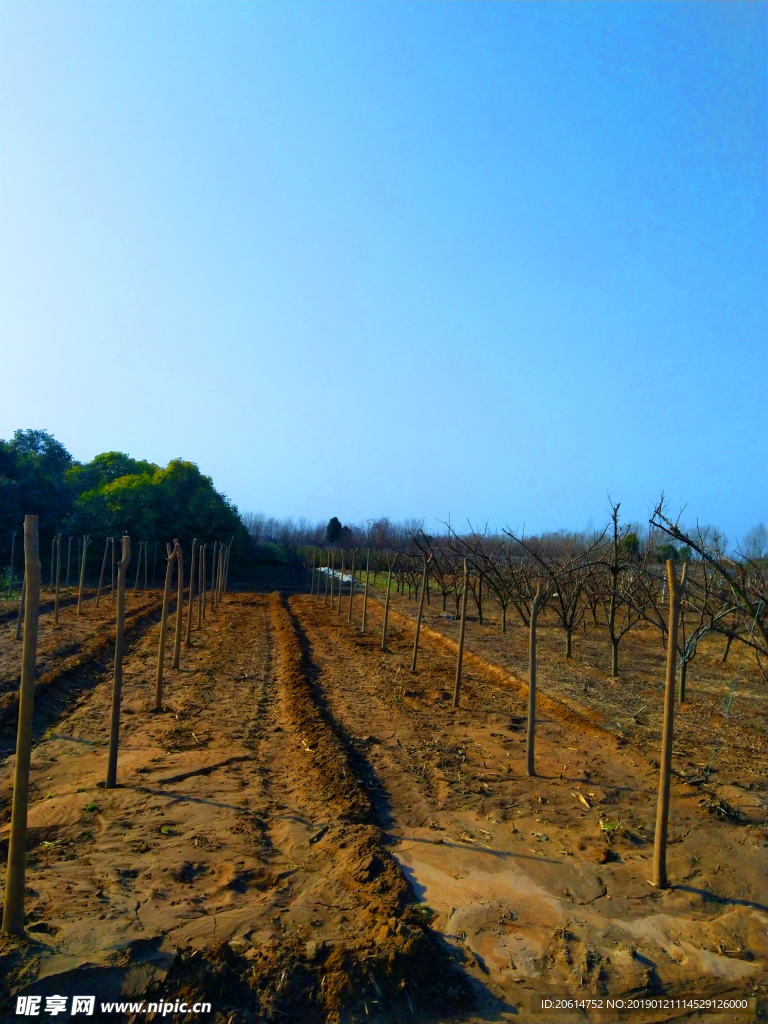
[486, 260]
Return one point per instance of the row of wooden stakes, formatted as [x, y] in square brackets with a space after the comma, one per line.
[13, 904]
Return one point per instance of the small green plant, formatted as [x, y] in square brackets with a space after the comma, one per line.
[48, 795]
[166, 830]
[80, 789]
[91, 807]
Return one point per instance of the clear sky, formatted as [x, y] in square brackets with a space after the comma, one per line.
[492, 260]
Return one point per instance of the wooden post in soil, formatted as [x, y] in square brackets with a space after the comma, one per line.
[20, 617]
[138, 569]
[13, 552]
[101, 574]
[163, 632]
[341, 583]
[530, 751]
[460, 656]
[69, 559]
[113, 569]
[179, 602]
[154, 567]
[188, 638]
[351, 586]
[86, 542]
[424, 577]
[146, 542]
[117, 679]
[53, 555]
[665, 768]
[214, 567]
[386, 608]
[203, 568]
[225, 569]
[13, 910]
[58, 580]
[327, 575]
[365, 592]
[200, 585]
[333, 573]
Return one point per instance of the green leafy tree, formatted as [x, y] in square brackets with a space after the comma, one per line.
[333, 530]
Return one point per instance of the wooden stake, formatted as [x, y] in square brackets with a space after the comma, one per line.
[163, 633]
[86, 542]
[138, 567]
[386, 608]
[69, 557]
[13, 911]
[101, 574]
[341, 583]
[188, 638]
[203, 567]
[530, 753]
[113, 569]
[460, 656]
[58, 580]
[365, 592]
[665, 769]
[20, 617]
[53, 553]
[117, 679]
[154, 567]
[179, 602]
[351, 586]
[333, 573]
[213, 574]
[13, 552]
[200, 586]
[327, 574]
[421, 611]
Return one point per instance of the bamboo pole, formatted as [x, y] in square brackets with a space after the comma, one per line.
[86, 542]
[20, 617]
[460, 656]
[101, 574]
[530, 752]
[351, 586]
[386, 609]
[179, 602]
[421, 613]
[117, 680]
[163, 632]
[192, 566]
[58, 580]
[13, 552]
[365, 592]
[665, 768]
[13, 910]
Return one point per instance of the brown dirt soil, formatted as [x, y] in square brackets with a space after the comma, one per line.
[307, 832]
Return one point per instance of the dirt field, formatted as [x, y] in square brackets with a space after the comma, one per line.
[308, 832]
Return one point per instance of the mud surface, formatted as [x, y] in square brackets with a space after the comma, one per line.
[308, 832]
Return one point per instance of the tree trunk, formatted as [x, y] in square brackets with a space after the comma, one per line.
[117, 681]
[568, 643]
[614, 658]
[13, 913]
[682, 673]
[727, 649]
[503, 618]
